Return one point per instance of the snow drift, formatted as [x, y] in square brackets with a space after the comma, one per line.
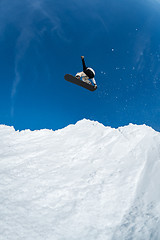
[83, 182]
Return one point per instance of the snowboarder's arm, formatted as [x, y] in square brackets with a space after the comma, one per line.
[83, 63]
[94, 81]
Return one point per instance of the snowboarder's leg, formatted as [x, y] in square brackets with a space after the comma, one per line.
[86, 79]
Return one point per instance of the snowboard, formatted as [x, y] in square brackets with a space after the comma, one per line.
[79, 82]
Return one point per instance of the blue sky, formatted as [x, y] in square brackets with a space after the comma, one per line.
[42, 40]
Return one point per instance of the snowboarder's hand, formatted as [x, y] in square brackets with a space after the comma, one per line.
[95, 86]
[77, 76]
[82, 57]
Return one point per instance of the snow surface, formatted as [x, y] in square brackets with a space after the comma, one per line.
[83, 182]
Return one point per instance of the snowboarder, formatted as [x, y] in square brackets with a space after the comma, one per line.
[86, 74]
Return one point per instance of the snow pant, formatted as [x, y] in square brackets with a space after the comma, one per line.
[87, 71]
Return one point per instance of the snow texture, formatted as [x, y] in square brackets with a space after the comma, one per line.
[83, 182]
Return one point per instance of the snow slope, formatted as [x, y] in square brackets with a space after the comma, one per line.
[83, 182]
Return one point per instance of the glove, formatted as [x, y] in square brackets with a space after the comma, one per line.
[77, 76]
[95, 86]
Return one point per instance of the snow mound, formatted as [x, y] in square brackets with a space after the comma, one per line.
[83, 182]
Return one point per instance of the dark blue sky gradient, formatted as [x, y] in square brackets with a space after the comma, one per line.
[42, 41]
